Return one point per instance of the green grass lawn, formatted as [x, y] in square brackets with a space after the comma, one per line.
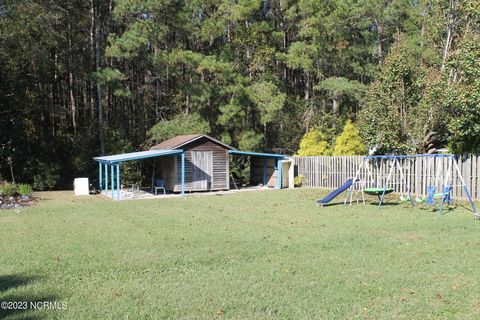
[251, 255]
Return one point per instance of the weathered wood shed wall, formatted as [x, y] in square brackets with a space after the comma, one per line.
[206, 164]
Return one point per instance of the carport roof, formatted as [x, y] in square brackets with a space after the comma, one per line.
[137, 155]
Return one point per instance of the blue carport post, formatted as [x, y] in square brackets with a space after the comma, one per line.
[100, 176]
[264, 172]
[182, 156]
[113, 181]
[279, 166]
[118, 181]
[106, 178]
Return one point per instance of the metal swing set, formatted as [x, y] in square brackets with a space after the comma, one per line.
[437, 175]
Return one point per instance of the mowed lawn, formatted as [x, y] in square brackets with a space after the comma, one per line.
[250, 255]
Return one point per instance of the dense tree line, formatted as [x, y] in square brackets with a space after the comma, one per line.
[81, 78]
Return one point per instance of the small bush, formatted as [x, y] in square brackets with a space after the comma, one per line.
[9, 189]
[47, 178]
[25, 189]
[299, 180]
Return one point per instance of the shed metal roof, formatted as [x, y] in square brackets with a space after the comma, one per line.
[180, 141]
[136, 155]
[257, 154]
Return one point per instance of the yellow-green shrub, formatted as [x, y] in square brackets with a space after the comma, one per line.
[313, 144]
[349, 142]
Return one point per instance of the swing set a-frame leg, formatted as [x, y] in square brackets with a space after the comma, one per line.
[476, 215]
[386, 183]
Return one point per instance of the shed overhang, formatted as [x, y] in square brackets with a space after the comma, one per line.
[122, 157]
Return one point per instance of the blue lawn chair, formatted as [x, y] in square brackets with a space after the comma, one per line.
[160, 184]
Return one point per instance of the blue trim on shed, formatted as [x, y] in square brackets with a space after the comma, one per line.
[100, 175]
[118, 181]
[106, 178]
[113, 179]
[256, 154]
[279, 168]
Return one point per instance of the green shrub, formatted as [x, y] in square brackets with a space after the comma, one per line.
[299, 180]
[25, 189]
[47, 178]
[9, 189]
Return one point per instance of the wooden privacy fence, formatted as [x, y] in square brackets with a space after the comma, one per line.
[419, 173]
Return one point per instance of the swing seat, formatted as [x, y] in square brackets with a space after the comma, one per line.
[421, 200]
[440, 195]
[377, 191]
[405, 198]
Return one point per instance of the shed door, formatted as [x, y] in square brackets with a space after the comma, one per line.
[202, 162]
